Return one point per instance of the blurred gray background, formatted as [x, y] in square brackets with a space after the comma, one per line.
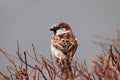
[29, 21]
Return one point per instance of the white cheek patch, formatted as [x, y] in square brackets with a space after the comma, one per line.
[60, 31]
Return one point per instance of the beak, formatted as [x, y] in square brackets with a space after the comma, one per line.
[54, 29]
[51, 29]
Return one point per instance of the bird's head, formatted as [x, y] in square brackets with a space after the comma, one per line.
[60, 28]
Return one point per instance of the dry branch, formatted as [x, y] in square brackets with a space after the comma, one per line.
[105, 67]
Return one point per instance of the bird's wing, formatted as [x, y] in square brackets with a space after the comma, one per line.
[65, 42]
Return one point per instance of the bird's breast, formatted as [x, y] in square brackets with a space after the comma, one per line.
[57, 53]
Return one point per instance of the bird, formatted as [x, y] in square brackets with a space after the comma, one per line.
[63, 42]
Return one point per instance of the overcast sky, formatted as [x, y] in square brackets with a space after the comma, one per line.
[29, 21]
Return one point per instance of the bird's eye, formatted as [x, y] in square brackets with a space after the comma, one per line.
[53, 26]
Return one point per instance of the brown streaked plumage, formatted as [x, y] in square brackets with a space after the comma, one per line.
[63, 42]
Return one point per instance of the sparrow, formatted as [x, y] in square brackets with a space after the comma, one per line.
[63, 42]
